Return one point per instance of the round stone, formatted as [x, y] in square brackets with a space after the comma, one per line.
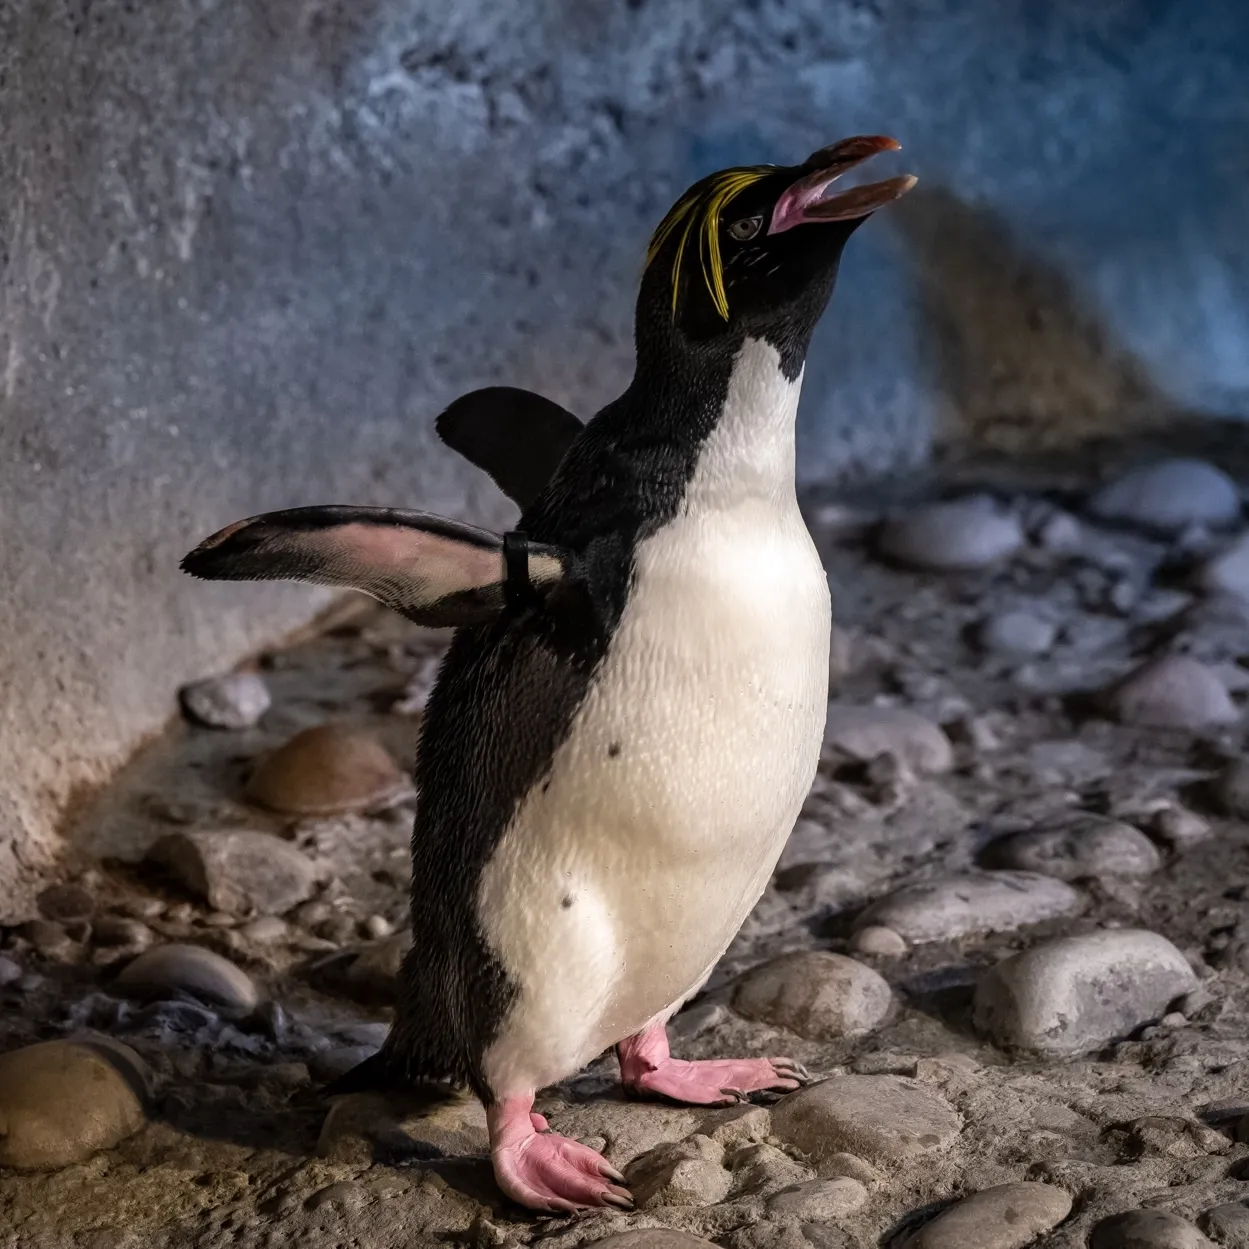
[1147, 1229]
[10, 972]
[265, 931]
[866, 732]
[60, 1101]
[1085, 846]
[815, 994]
[878, 942]
[1006, 1217]
[1227, 572]
[967, 533]
[121, 931]
[235, 701]
[169, 970]
[1017, 633]
[878, 1117]
[238, 871]
[1180, 828]
[818, 1201]
[1076, 994]
[1169, 496]
[1228, 1225]
[940, 910]
[1233, 788]
[325, 771]
[1173, 692]
[65, 903]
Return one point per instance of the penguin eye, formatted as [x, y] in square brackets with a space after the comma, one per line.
[745, 228]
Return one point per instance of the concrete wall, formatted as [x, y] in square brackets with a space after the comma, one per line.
[250, 249]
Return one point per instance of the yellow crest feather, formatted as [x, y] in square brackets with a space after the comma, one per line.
[698, 210]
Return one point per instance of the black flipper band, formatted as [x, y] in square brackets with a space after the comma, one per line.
[517, 587]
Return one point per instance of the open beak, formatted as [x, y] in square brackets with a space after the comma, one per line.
[808, 201]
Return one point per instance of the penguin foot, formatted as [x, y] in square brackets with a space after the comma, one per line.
[546, 1171]
[647, 1068]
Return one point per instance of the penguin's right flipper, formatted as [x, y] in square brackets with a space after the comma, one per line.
[435, 571]
[515, 436]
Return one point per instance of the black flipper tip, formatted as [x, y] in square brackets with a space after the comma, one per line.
[370, 1076]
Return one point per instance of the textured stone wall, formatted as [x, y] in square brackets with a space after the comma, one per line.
[250, 249]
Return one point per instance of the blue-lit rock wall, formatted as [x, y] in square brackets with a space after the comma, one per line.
[249, 250]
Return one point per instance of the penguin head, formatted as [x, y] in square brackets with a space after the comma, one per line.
[754, 250]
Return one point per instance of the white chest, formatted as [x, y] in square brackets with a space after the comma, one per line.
[621, 881]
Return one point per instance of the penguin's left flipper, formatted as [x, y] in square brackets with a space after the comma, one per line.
[435, 571]
[515, 436]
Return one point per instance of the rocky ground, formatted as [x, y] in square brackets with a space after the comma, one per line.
[1009, 936]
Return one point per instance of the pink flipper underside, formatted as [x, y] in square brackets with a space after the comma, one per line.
[545, 1171]
[647, 1066]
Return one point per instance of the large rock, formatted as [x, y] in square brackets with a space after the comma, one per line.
[60, 1101]
[962, 534]
[1076, 994]
[1169, 496]
[1084, 845]
[1228, 1225]
[865, 732]
[1172, 692]
[881, 1118]
[940, 910]
[1009, 1216]
[170, 970]
[327, 770]
[818, 995]
[1147, 1229]
[237, 870]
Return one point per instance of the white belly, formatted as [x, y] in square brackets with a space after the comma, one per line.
[622, 880]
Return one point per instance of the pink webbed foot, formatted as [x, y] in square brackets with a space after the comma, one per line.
[647, 1068]
[545, 1171]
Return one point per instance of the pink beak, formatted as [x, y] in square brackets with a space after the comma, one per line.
[807, 201]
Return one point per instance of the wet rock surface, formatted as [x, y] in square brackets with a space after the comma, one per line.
[941, 754]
